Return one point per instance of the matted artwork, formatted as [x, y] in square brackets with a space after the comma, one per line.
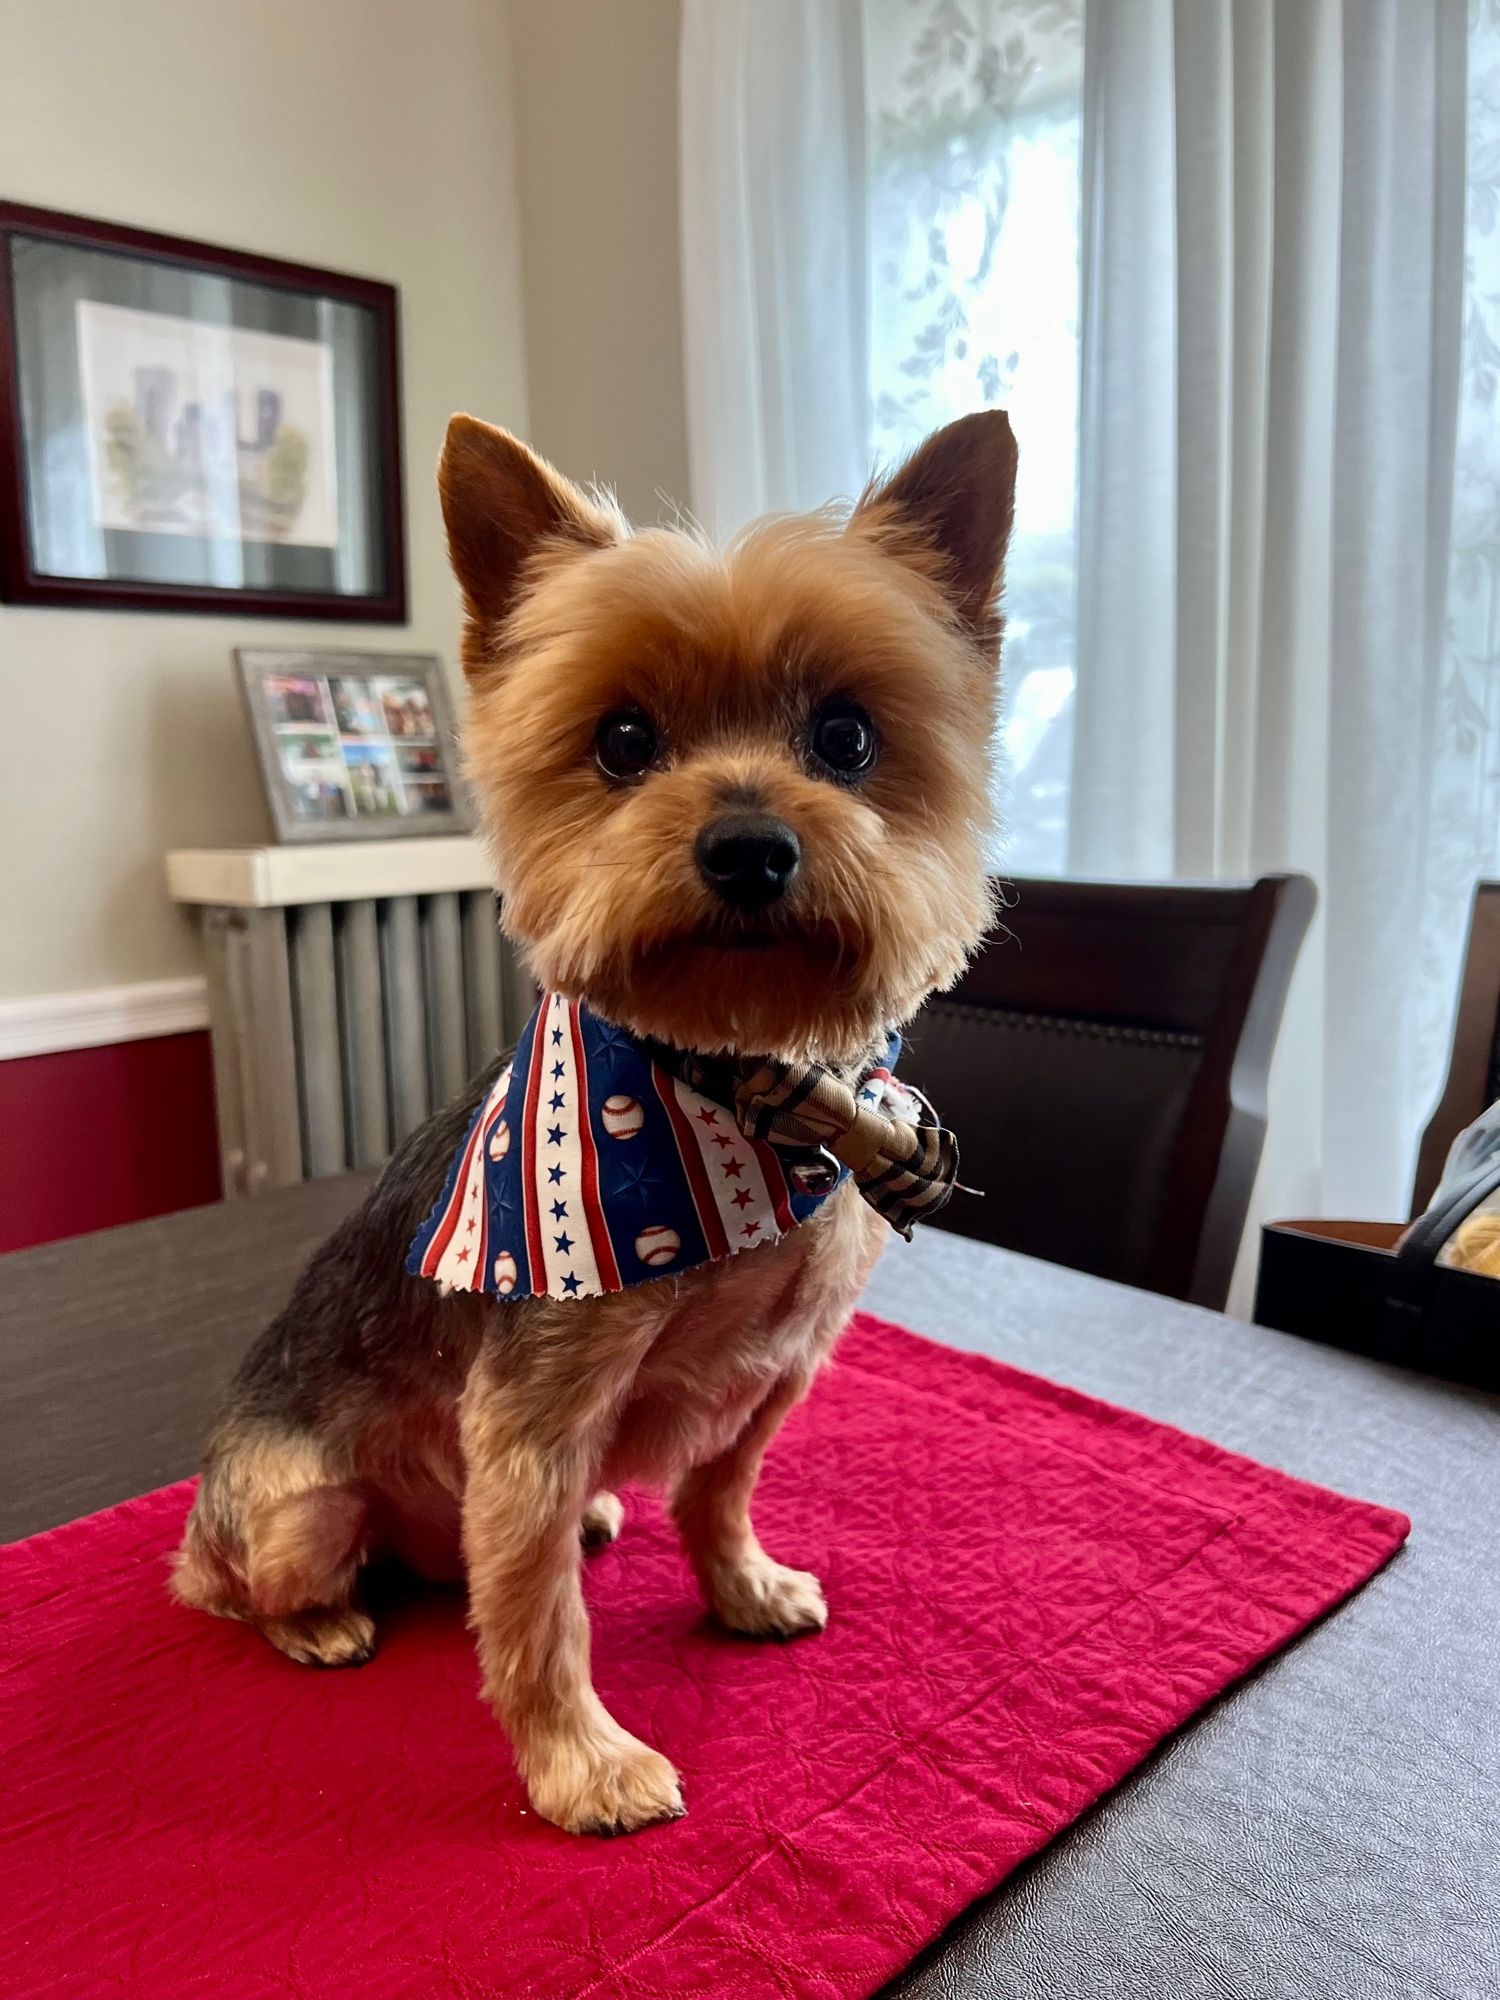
[353, 744]
[208, 430]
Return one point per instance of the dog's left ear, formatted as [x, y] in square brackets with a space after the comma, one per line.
[504, 508]
[948, 512]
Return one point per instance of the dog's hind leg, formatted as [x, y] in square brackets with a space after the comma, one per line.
[276, 1538]
[305, 1552]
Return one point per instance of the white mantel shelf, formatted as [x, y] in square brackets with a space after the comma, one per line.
[261, 878]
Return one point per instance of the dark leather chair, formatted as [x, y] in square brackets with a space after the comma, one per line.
[1473, 1080]
[1104, 1064]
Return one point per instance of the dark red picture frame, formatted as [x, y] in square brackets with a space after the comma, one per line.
[22, 583]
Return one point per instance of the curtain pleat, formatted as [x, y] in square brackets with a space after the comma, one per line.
[1123, 745]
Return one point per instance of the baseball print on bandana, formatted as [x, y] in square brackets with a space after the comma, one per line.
[589, 1167]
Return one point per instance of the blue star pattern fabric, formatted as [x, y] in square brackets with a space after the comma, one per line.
[590, 1167]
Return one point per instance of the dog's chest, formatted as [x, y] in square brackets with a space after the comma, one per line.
[730, 1332]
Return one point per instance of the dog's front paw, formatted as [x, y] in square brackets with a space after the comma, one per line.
[611, 1786]
[603, 1519]
[765, 1600]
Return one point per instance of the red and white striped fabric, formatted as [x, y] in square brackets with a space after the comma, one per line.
[590, 1167]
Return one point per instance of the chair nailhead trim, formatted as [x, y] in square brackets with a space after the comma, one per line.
[1068, 1024]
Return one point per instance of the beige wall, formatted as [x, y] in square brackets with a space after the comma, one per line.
[373, 136]
[596, 110]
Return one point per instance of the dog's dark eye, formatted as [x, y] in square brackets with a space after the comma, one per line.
[843, 738]
[626, 744]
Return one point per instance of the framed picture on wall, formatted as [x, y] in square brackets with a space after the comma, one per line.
[196, 429]
[353, 746]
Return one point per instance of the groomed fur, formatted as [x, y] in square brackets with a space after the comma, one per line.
[376, 1416]
[730, 655]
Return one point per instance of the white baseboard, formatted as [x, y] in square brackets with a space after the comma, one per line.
[42, 1023]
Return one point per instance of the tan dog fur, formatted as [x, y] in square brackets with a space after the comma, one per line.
[377, 1417]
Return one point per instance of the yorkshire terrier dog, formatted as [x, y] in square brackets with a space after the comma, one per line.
[738, 805]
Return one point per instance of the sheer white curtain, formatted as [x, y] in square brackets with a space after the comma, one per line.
[1229, 286]
[773, 255]
[1272, 303]
[879, 232]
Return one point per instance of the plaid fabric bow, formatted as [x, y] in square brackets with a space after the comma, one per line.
[905, 1171]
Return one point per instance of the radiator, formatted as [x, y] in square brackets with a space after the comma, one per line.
[351, 993]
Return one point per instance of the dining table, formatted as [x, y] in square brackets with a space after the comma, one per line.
[1328, 1830]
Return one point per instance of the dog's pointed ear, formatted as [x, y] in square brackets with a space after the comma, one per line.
[503, 505]
[948, 511]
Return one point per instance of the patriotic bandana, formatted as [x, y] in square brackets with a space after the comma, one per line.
[598, 1161]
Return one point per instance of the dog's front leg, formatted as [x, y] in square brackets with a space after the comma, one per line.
[525, 1491]
[749, 1592]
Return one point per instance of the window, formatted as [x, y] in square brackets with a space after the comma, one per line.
[973, 136]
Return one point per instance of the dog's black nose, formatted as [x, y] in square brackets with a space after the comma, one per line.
[748, 858]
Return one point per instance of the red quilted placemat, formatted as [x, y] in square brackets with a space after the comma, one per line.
[1029, 1590]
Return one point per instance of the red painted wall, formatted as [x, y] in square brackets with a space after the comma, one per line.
[92, 1137]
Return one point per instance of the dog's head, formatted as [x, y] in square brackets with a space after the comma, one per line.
[738, 802]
